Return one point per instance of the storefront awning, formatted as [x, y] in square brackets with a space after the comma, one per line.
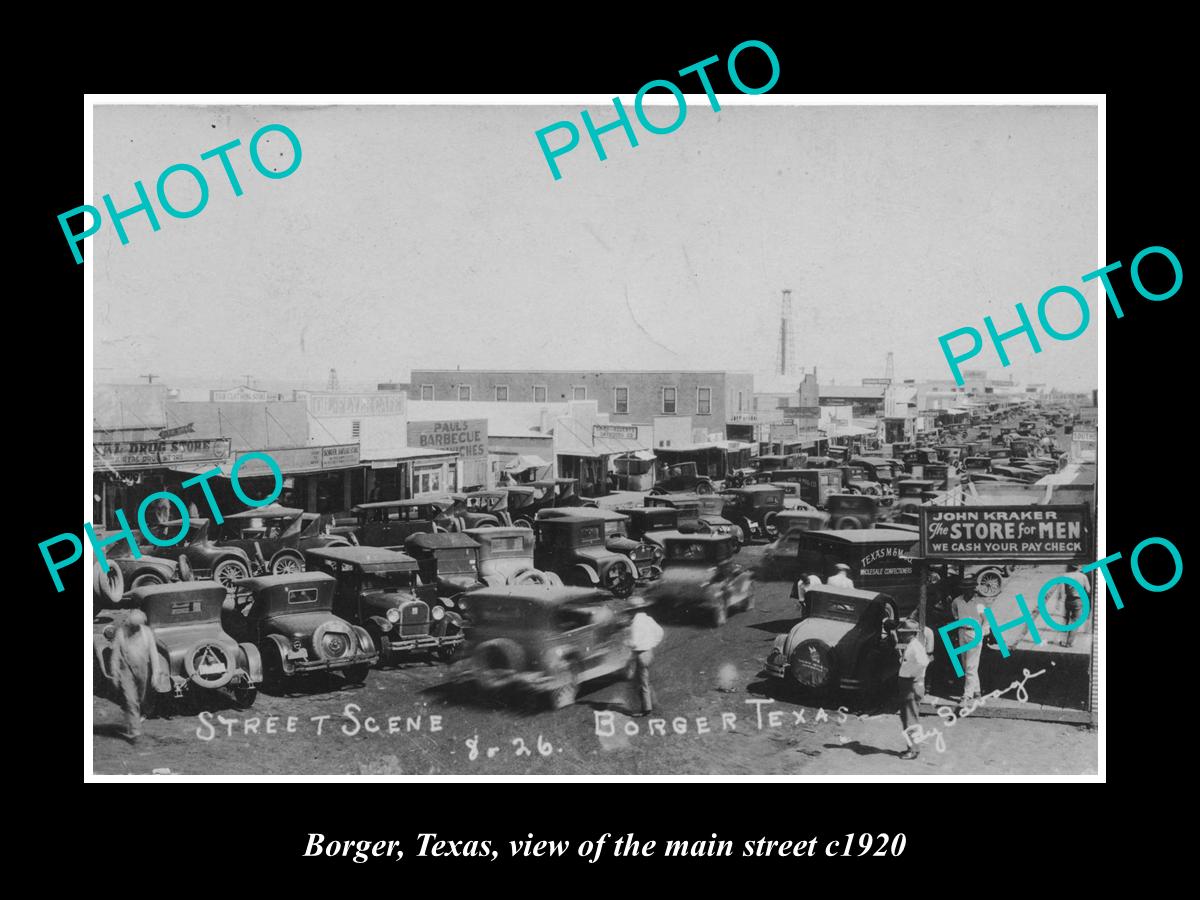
[525, 463]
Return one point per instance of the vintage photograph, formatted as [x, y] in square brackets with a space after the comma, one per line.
[414, 459]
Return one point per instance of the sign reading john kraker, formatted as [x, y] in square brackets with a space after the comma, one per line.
[1052, 533]
[466, 437]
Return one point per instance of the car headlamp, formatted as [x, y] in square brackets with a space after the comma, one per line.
[393, 615]
[449, 601]
[438, 614]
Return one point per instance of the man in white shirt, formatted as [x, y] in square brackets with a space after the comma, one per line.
[644, 635]
[841, 578]
[968, 606]
[914, 660]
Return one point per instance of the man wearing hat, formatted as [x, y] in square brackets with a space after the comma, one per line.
[841, 578]
[1072, 605]
[967, 606]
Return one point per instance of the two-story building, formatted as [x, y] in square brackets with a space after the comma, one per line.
[626, 397]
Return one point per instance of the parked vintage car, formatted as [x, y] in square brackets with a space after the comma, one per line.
[839, 644]
[699, 572]
[388, 523]
[753, 509]
[911, 493]
[382, 590]
[680, 477]
[814, 485]
[290, 619]
[224, 563]
[449, 562]
[525, 501]
[479, 509]
[878, 469]
[697, 512]
[852, 510]
[648, 523]
[880, 559]
[193, 647]
[506, 557]
[766, 465]
[275, 537]
[546, 639]
[125, 574]
[568, 549]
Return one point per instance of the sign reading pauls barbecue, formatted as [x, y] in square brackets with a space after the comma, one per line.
[466, 437]
[1005, 532]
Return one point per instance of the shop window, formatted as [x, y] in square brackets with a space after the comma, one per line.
[621, 400]
[704, 401]
[427, 392]
[668, 401]
[464, 392]
[502, 393]
[578, 392]
[539, 393]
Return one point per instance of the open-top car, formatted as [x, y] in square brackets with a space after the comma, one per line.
[479, 509]
[584, 545]
[449, 561]
[388, 523]
[839, 643]
[226, 564]
[275, 537]
[753, 509]
[382, 590]
[505, 557]
[290, 619]
[193, 647]
[682, 476]
[546, 639]
[699, 572]
[525, 501]
[125, 574]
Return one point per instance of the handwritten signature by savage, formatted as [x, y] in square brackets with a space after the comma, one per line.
[917, 734]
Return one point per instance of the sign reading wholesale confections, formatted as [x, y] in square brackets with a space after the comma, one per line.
[1051, 533]
[299, 460]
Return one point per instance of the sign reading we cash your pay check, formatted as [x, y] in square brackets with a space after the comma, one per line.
[1051, 533]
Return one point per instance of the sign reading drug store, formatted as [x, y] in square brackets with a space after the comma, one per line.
[1037, 533]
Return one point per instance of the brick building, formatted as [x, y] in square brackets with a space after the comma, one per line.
[626, 397]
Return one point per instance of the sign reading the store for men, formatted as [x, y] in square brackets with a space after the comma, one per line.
[1005, 532]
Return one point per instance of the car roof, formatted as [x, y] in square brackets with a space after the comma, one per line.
[852, 593]
[867, 535]
[267, 581]
[578, 514]
[442, 541]
[753, 489]
[181, 589]
[382, 504]
[583, 512]
[266, 512]
[538, 594]
[505, 531]
[376, 558]
[707, 537]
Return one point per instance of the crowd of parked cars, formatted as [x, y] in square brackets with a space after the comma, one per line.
[535, 586]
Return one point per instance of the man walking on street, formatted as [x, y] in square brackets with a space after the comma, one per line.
[914, 660]
[966, 606]
[1072, 605]
[644, 635]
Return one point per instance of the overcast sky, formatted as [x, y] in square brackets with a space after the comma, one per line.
[415, 237]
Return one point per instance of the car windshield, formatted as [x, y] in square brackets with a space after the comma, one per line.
[570, 616]
[688, 550]
[455, 561]
[614, 529]
[389, 581]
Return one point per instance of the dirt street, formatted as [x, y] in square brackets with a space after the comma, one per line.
[720, 717]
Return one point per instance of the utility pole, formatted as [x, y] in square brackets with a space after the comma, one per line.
[149, 378]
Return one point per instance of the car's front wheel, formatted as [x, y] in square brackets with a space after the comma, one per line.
[989, 583]
[618, 580]
[704, 487]
[228, 572]
[287, 564]
[146, 579]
